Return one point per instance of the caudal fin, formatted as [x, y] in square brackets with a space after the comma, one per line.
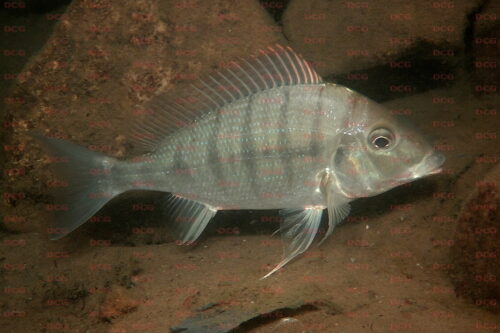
[86, 185]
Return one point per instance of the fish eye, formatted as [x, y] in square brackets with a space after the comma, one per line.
[381, 138]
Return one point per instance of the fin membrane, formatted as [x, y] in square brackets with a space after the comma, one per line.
[335, 215]
[190, 217]
[336, 211]
[297, 233]
[271, 68]
[88, 185]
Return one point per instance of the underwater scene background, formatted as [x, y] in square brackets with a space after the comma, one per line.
[420, 257]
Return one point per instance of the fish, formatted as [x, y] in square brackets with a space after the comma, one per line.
[264, 133]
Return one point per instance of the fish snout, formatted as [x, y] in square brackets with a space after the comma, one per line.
[430, 165]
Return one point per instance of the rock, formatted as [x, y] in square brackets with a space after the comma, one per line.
[486, 18]
[104, 60]
[117, 303]
[342, 36]
[485, 51]
[475, 255]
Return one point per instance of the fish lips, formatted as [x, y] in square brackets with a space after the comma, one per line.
[429, 165]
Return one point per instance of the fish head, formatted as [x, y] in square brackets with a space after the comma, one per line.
[378, 151]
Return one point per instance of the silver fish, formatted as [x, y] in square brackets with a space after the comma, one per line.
[264, 133]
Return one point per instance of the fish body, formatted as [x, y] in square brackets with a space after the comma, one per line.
[265, 151]
[266, 134]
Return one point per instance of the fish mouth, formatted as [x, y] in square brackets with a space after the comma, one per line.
[431, 164]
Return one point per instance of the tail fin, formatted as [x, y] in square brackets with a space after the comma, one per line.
[87, 187]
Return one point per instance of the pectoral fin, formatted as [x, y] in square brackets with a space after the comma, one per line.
[336, 211]
[335, 215]
[297, 232]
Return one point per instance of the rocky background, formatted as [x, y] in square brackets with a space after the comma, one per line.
[422, 257]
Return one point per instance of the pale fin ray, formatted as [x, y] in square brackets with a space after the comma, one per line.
[190, 217]
[335, 215]
[218, 86]
[302, 70]
[247, 88]
[273, 65]
[266, 76]
[236, 88]
[296, 73]
[210, 99]
[298, 230]
[337, 211]
[271, 68]
[256, 74]
[285, 68]
[214, 92]
[86, 192]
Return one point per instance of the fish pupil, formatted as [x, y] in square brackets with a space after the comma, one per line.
[381, 142]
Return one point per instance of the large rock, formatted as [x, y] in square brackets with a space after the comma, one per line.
[486, 17]
[342, 36]
[475, 256]
[104, 60]
[485, 50]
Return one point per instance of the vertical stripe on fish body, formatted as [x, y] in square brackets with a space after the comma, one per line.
[260, 152]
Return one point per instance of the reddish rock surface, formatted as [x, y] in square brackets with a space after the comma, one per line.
[476, 254]
[341, 36]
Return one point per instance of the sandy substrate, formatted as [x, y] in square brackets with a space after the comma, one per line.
[384, 270]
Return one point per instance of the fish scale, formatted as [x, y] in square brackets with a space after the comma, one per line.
[265, 133]
[267, 136]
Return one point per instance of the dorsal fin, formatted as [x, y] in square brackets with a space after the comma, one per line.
[271, 68]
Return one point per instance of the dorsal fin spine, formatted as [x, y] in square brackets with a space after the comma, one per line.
[276, 53]
[294, 68]
[237, 78]
[311, 77]
[301, 68]
[284, 66]
[273, 67]
[206, 95]
[256, 72]
[268, 73]
[248, 75]
[219, 104]
[237, 89]
[178, 108]
[219, 87]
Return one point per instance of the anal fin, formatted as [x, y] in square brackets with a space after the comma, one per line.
[190, 217]
[297, 233]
